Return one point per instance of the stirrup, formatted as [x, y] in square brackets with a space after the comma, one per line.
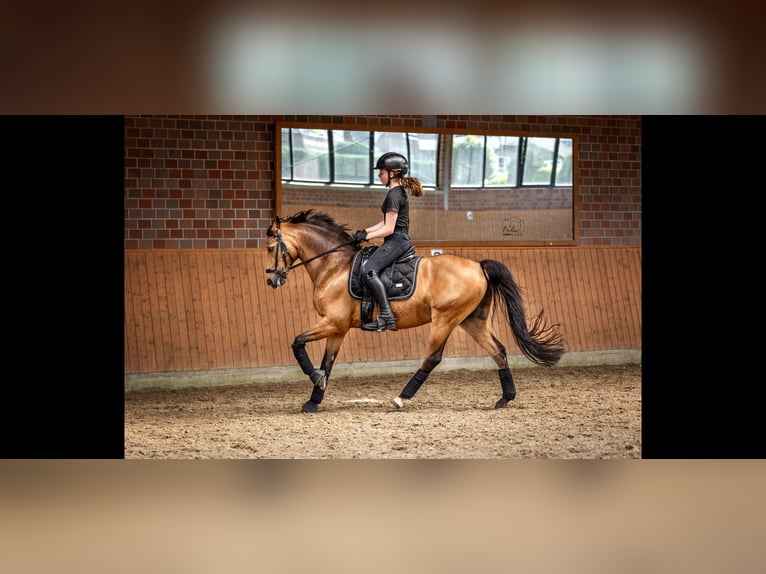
[381, 324]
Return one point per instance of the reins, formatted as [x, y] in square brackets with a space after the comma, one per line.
[284, 250]
[310, 259]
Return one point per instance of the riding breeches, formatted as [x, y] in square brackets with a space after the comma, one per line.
[393, 246]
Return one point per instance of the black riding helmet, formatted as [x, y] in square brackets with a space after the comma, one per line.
[393, 160]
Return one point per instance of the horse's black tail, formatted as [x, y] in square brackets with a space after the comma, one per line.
[541, 344]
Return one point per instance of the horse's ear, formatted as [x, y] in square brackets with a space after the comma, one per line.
[270, 231]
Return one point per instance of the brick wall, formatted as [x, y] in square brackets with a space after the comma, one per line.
[198, 182]
[207, 182]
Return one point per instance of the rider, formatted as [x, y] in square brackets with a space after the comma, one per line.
[394, 229]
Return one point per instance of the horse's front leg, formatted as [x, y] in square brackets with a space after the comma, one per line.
[319, 377]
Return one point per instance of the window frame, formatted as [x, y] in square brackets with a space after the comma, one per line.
[443, 177]
[332, 153]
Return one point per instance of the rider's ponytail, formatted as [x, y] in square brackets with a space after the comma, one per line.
[412, 185]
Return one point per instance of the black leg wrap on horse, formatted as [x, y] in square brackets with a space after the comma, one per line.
[317, 395]
[299, 350]
[319, 378]
[412, 387]
[506, 381]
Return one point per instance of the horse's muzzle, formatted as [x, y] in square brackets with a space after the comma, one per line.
[276, 278]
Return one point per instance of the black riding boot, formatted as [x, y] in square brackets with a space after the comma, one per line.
[386, 319]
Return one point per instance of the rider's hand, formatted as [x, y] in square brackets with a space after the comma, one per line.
[360, 235]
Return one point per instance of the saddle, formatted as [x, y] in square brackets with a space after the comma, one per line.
[398, 279]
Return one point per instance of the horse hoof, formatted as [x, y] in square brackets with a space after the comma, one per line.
[310, 407]
[399, 402]
[502, 403]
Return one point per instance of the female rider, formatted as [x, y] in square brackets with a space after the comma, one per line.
[393, 228]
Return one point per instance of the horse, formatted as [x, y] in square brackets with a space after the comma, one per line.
[450, 291]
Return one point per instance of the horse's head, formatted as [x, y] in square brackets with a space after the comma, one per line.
[277, 248]
[307, 235]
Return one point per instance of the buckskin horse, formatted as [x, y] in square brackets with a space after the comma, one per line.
[450, 291]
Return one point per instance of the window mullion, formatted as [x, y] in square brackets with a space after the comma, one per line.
[292, 155]
[522, 161]
[331, 151]
[409, 151]
[372, 158]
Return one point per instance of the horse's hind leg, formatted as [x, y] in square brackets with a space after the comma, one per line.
[477, 326]
[435, 349]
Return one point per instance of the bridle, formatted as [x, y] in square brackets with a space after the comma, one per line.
[280, 248]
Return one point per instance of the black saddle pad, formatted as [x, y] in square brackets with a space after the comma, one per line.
[399, 278]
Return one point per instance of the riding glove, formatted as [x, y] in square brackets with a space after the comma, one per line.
[360, 235]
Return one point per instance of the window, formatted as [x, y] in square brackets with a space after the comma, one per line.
[538, 161]
[422, 154]
[468, 160]
[564, 162]
[493, 161]
[502, 160]
[305, 156]
[481, 188]
[349, 156]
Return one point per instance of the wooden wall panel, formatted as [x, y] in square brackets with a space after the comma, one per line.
[199, 310]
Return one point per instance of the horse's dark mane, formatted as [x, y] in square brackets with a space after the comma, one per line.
[320, 219]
